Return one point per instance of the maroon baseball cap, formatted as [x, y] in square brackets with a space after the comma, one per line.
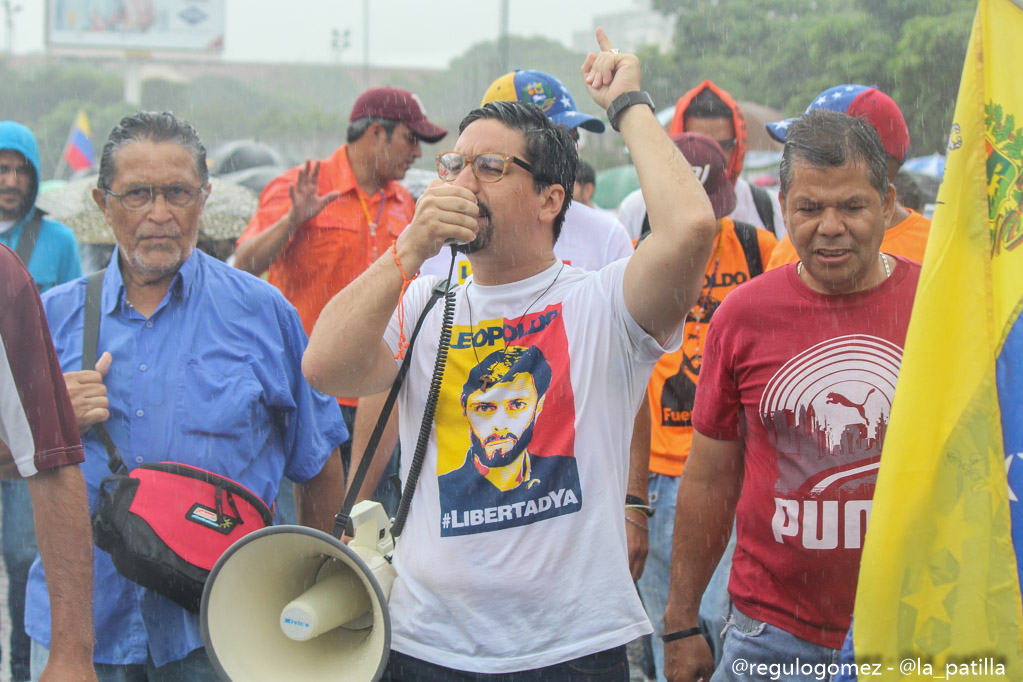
[397, 105]
[708, 161]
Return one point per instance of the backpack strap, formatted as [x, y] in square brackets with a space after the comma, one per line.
[765, 209]
[90, 346]
[29, 235]
[747, 235]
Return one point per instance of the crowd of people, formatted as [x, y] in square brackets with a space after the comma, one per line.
[667, 421]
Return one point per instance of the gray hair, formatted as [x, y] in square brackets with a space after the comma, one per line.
[151, 126]
[828, 139]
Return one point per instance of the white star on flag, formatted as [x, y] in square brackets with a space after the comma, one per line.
[1008, 463]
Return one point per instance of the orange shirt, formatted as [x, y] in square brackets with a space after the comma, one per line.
[329, 251]
[907, 239]
[672, 388]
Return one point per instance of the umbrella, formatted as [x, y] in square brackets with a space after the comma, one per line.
[255, 178]
[239, 155]
[614, 184]
[227, 211]
[933, 165]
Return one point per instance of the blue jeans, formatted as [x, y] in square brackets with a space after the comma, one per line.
[653, 584]
[195, 667]
[18, 540]
[611, 665]
[755, 650]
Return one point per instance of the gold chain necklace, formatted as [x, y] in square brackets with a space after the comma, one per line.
[884, 261]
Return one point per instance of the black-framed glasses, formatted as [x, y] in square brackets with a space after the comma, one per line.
[140, 198]
[727, 145]
[487, 167]
[22, 169]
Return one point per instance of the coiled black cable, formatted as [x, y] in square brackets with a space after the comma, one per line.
[431, 405]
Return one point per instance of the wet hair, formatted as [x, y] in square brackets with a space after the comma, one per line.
[907, 191]
[154, 127]
[549, 147]
[828, 139]
[584, 174]
[502, 366]
[707, 104]
[359, 126]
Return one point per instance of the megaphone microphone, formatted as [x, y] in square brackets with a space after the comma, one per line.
[292, 602]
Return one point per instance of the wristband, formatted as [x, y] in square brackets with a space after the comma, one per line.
[680, 634]
[626, 100]
[634, 499]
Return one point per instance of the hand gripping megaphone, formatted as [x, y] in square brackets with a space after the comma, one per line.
[291, 602]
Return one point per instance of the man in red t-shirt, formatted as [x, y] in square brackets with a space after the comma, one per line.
[39, 440]
[795, 390]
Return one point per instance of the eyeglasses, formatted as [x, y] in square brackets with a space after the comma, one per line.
[23, 169]
[489, 167]
[141, 198]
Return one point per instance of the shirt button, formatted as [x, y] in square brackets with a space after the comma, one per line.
[143, 367]
[139, 460]
[139, 413]
[149, 323]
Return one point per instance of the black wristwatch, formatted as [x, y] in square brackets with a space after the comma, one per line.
[626, 100]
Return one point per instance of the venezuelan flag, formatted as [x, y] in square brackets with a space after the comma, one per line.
[939, 585]
[78, 153]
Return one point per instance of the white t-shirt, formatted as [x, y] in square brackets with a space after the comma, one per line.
[497, 582]
[590, 239]
[632, 210]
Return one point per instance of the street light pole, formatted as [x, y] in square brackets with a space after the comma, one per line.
[365, 43]
[9, 12]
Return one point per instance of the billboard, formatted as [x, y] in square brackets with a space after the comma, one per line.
[157, 25]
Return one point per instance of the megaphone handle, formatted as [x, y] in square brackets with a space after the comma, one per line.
[342, 517]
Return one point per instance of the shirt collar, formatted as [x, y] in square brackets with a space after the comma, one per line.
[345, 181]
[113, 284]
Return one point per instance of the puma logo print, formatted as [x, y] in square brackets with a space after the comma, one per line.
[839, 399]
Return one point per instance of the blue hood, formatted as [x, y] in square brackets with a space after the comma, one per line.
[17, 137]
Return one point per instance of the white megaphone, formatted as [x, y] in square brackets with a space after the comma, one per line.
[291, 602]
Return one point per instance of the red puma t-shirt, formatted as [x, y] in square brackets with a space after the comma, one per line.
[812, 378]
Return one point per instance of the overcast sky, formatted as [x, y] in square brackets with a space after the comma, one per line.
[426, 33]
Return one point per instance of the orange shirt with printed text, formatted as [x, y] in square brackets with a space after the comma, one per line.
[672, 388]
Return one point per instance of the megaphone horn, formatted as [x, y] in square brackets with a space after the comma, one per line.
[291, 602]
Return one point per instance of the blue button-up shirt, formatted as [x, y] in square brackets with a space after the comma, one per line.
[212, 379]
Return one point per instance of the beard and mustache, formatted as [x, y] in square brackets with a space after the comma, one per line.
[485, 234]
[24, 203]
[505, 457]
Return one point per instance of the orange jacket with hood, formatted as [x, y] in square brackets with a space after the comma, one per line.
[678, 123]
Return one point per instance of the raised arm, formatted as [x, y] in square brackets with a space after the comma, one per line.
[347, 355]
[707, 495]
[664, 276]
[256, 253]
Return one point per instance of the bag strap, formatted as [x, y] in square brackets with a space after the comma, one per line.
[29, 235]
[90, 346]
[747, 235]
[765, 209]
[341, 519]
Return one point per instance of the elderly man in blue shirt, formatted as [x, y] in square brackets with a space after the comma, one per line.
[200, 364]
